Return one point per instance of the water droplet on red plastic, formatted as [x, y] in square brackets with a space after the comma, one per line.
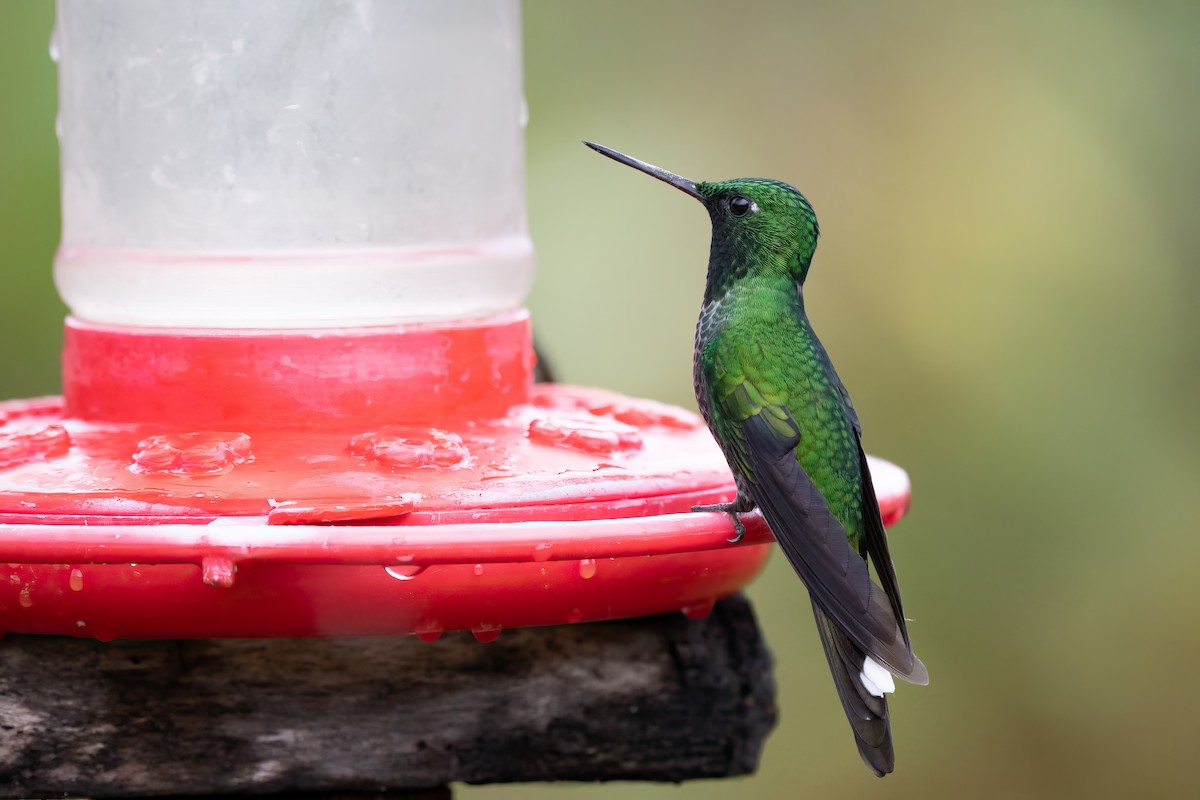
[541, 551]
[486, 631]
[192, 454]
[699, 609]
[76, 580]
[574, 615]
[593, 435]
[20, 448]
[587, 568]
[404, 448]
[404, 572]
[24, 599]
[428, 630]
[218, 571]
[478, 569]
[642, 413]
[103, 635]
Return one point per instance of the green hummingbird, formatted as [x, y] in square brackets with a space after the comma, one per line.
[775, 405]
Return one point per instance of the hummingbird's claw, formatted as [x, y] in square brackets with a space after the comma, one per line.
[739, 528]
[734, 511]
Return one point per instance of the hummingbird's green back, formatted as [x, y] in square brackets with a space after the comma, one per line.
[758, 355]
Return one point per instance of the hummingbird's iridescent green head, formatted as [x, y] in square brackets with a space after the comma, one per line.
[760, 227]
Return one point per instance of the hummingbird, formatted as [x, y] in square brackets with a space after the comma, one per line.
[784, 420]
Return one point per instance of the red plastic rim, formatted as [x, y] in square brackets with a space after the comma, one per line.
[206, 575]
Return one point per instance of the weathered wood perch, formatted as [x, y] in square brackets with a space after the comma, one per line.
[661, 698]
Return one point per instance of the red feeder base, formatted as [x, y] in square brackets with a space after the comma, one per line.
[389, 481]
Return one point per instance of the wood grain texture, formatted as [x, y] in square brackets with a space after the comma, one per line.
[660, 698]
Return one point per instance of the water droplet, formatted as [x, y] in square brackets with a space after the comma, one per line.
[479, 569]
[587, 568]
[486, 631]
[401, 447]
[76, 580]
[574, 615]
[103, 635]
[218, 571]
[24, 599]
[541, 551]
[192, 454]
[428, 631]
[80, 623]
[404, 573]
[699, 609]
[40, 445]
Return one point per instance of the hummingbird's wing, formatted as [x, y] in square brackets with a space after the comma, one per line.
[874, 540]
[761, 440]
[874, 544]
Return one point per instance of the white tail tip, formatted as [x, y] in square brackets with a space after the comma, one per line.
[875, 678]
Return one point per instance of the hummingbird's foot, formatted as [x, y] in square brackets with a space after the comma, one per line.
[735, 509]
[739, 529]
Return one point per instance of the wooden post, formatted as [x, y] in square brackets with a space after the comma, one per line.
[660, 698]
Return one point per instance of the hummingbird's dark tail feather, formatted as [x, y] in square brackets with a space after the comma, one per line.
[867, 713]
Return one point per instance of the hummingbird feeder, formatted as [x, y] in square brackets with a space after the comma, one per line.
[297, 375]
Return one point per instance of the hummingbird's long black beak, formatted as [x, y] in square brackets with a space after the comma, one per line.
[680, 183]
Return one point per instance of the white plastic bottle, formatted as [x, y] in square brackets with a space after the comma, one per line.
[291, 163]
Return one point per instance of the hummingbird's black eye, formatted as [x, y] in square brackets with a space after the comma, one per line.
[738, 206]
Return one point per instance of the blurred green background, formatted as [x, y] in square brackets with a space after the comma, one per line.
[1007, 281]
